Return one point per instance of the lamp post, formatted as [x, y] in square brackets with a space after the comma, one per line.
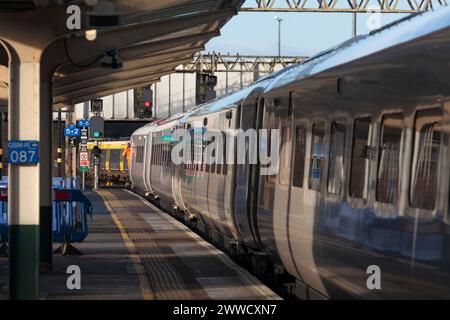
[279, 34]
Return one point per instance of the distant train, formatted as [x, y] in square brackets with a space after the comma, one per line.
[359, 205]
[113, 163]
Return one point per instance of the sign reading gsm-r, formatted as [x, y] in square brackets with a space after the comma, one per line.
[23, 152]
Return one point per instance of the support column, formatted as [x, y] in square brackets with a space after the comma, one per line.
[46, 183]
[60, 145]
[24, 190]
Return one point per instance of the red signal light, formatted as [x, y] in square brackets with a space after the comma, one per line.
[148, 104]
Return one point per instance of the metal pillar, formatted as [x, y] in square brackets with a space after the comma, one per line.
[184, 92]
[170, 94]
[45, 156]
[226, 82]
[155, 104]
[1, 145]
[113, 106]
[127, 108]
[279, 34]
[96, 171]
[354, 25]
[24, 190]
[60, 145]
[83, 180]
[241, 80]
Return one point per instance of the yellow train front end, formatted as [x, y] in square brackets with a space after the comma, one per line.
[113, 164]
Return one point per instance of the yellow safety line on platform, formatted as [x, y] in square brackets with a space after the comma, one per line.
[137, 264]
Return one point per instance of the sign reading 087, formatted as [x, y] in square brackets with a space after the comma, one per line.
[23, 152]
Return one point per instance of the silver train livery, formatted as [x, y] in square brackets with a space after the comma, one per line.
[359, 207]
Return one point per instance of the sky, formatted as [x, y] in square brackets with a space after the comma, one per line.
[303, 34]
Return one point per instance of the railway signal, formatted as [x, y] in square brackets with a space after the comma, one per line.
[97, 127]
[97, 106]
[147, 94]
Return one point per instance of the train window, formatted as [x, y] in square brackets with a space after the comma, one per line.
[389, 158]
[427, 143]
[360, 158]
[219, 167]
[336, 169]
[213, 165]
[103, 160]
[271, 178]
[299, 158]
[159, 155]
[166, 155]
[286, 144]
[225, 156]
[139, 154]
[318, 155]
[153, 154]
[114, 159]
[136, 152]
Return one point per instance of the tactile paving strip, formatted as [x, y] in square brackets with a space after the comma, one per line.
[165, 281]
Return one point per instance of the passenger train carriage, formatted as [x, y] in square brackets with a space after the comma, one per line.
[363, 177]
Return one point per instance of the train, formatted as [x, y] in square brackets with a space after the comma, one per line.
[358, 206]
[113, 165]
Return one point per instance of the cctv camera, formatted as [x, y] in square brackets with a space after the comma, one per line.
[112, 60]
[104, 15]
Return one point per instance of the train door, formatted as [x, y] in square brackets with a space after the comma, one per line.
[281, 182]
[233, 117]
[130, 171]
[200, 185]
[176, 183]
[186, 176]
[147, 162]
[266, 186]
[215, 178]
[245, 218]
[309, 155]
[254, 180]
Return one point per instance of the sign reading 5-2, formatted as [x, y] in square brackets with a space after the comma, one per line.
[23, 152]
[72, 131]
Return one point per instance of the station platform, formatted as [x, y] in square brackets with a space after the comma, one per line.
[135, 251]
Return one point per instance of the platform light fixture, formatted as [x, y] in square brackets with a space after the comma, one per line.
[91, 34]
[91, 3]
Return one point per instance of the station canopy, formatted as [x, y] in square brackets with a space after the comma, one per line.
[153, 38]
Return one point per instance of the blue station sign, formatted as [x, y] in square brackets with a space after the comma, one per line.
[72, 131]
[84, 124]
[23, 152]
